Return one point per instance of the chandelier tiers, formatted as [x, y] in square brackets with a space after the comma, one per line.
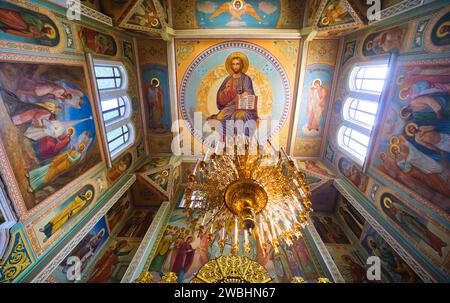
[253, 191]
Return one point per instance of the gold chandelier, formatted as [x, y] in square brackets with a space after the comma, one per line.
[249, 190]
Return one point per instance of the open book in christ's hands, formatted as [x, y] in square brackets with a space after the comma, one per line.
[248, 102]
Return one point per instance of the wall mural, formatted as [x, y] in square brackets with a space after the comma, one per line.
[183, 253]
[425, 234]
[144, 15]
[156, 89]
[85, 251]
[119, 167]
[27, 26]
[118, 211]
[408, 153]
[238, 14]
[335, 13]
[265, 68]
[49, 225]
[112, 262]
[97, 42]
[318, 80]
[351, 240]
[437, 33]
[382, 42]
[155, 86]
[47, 127]
[413, 147]
[319, 71]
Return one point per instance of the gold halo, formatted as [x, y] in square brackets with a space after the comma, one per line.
[387, 202]
[53, 33]
[400, 94]
[71, 128]
[402, 115]
[154, 22]
[82, 146]
[244, 59]
[325, 21]
[157, 80]
[382, 154]
[391, 149]
[320, 81]
[164, 173]
[234, 4]
[446, 23]
[369, 45]
[88, 195]
[394, 140]
[407, 126]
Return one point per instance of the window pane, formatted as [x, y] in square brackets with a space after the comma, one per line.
[372, 85]
[115, 133]
[106, 84]
[116, 144]
[103, 71]
[109, 104]
[369, 78]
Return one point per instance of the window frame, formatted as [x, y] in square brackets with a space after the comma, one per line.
[110, 94]
[356, 94]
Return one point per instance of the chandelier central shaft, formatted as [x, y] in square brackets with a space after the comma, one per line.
[246, 198]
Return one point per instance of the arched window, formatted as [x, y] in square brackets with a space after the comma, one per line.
[359, 112]
[112, 84]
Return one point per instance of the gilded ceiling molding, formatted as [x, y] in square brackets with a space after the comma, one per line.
[341, 186]
[51, 265]
[325, 254]
[151, 239]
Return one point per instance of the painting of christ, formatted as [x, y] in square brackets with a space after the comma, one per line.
[237, 84]
[47, 127]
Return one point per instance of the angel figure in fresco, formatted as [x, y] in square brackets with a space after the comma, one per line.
[335, 12]
[43, 175]
[236, 9]
[235, 85]
[67, 213]
[317, 95]
[24, 24]
[413, 225]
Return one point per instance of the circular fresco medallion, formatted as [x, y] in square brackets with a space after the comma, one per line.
[210, 88]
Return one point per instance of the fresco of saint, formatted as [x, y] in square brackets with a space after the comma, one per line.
[411, 223]
[235, 85]
[68, 212]
[23, 25]
[156, 104]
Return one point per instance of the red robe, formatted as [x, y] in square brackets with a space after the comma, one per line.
[48, 147]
